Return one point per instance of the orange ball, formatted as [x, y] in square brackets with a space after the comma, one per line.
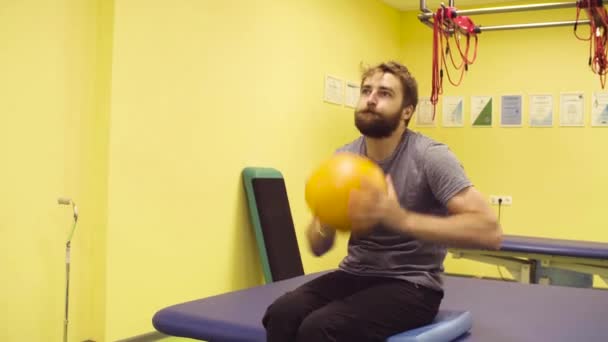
[329, 186]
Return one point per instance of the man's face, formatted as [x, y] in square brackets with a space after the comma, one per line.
[379, 111]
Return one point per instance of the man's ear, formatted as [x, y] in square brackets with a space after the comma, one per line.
[407, 112]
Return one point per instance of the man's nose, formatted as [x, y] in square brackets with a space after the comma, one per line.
[372, 99]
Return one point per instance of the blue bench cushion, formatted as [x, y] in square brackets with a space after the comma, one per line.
[447, 326]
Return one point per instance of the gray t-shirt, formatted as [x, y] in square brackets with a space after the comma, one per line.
[426, 174]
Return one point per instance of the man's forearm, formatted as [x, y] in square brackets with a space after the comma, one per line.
[466, 230]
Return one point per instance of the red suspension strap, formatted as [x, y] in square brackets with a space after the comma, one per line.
[598, 35]
[448, 24]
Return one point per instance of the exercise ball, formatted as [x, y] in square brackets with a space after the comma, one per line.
[329, 185]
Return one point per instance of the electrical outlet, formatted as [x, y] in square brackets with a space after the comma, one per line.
[506, 200]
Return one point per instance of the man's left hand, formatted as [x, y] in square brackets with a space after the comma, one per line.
[369, 206]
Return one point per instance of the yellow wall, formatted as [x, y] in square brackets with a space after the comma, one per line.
[145, 112]
[201, 89]
[52, 136]
[555, 175]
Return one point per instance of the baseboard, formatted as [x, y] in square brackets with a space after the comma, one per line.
[148, 337]
[477, 277]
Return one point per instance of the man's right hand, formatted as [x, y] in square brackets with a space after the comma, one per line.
[320, 238]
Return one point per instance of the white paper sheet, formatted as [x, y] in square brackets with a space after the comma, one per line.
[453, 109]
[510, 113]
[572, 109]
[353, 90]
[599, 109]
[424, 112]
[481, 111]
[334, 90]
[541, 110]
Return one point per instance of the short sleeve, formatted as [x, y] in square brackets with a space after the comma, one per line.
[444, 172]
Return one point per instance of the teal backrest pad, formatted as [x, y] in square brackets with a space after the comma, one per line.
[271, 219]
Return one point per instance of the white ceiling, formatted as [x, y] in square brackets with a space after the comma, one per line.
[411, 5]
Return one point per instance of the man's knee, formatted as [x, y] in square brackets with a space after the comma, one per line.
[323, 326]
[313, 328]
[283, 309]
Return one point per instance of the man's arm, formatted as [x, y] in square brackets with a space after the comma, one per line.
[471, 222]
[320, 239]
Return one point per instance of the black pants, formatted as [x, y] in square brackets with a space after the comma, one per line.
[339, 306]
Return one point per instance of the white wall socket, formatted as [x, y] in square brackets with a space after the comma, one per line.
[506, 200]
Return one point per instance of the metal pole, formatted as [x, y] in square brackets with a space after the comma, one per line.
[534, 25]
[423, 7]
[518, 8]
[428, 23]
[67, 291]
[68, 201]
[503, 9]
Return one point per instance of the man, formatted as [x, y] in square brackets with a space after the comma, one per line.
[390, 281]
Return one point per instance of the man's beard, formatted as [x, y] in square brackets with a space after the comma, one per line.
[375, 125]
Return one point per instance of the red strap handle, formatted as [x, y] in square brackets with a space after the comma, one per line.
[447, 22]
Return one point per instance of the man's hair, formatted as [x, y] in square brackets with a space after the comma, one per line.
[408, 82]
